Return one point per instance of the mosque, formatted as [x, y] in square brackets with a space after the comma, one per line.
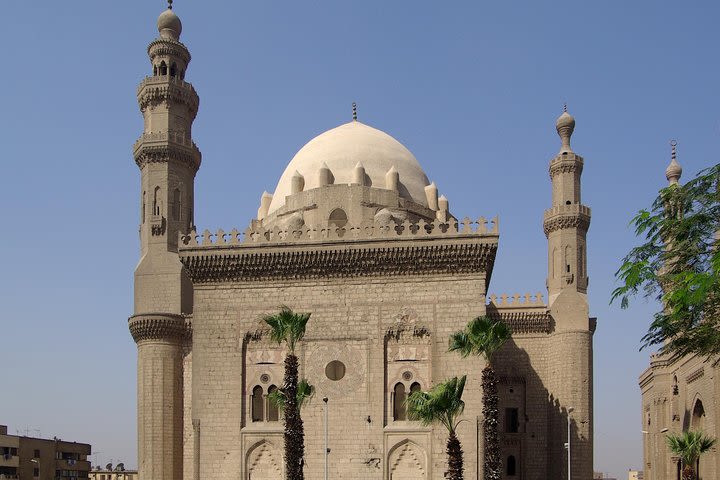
[356, 234]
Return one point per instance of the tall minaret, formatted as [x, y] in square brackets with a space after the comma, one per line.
[570, 356]
[168, 161]
[567, 222]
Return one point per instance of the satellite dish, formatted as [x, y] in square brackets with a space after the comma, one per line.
[108, 467]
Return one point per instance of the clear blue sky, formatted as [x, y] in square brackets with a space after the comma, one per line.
[471, 88]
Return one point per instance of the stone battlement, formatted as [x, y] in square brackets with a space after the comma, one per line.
[369, 231]
[517, 300]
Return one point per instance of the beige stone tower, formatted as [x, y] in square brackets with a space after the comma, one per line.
[570, 381]
[168, 161]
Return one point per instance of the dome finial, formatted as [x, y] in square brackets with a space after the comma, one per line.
[354, 110]
[170, 4]
[565, 126]
[674, 171]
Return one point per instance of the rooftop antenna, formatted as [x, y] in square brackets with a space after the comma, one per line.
[354, 110]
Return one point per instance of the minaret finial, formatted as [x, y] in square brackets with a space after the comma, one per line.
[674, 171]
[565, 107]
[354, 110]
[170, 4]
[565, 125]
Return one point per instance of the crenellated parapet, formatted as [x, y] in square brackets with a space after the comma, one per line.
[160, 327]
[566, 216]
[522, 313]
[331, 252]
[321, 233]
[164, 89]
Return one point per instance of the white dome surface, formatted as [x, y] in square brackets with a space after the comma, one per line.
[341, 149]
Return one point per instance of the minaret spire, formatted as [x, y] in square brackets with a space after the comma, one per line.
[567, 222]
[354, 111]
[674, 171]
[168, 160]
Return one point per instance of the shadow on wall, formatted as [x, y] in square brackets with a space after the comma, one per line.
[532, 423]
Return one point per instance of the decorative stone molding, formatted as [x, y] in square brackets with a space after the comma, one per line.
[159, 326]
[338, 261]
[368, 230]
[697, 374]
[566, 216]
[167, 47]
[529, 315]
[568, 163]
[167, 152]
[155, 90]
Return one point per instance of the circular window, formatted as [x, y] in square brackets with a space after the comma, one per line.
[335, 370]
[407, 375]
[264, 378]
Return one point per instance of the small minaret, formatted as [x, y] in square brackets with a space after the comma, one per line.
[567, 221]
[168, 161]
[674, 171]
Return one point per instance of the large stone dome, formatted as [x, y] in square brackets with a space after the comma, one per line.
[341, 149]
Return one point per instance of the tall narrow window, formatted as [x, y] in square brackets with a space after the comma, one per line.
[156, 201]
[257, 413]
[173, 70]
[512, 423]
[511, 466]
[272, 409]
[399, 409]
[163, 68]
[176, 204]
[144, 200]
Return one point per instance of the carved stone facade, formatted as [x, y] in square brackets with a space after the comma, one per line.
[358, 236]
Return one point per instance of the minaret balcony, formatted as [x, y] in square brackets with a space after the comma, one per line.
[161, 147]
[566, 216]
[166, 88]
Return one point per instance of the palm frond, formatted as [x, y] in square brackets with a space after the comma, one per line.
[305, 392]
[689, 446]
[287, 326]
[443, 403]
[482, 336]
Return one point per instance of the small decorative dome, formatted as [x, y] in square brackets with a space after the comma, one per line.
[565, 120]
[337, 153]
[169, 25]
[565, 125]
[674, 171]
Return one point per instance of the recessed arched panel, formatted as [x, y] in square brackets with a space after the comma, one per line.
[338, 217]
[407, 461]
[263, 462]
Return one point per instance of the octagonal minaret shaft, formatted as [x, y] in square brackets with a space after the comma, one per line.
[567, 221]
[168, 161]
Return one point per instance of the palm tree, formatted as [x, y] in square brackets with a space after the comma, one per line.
[289, 327]
[484, 336]
[305, 392]
[689, 446]
[443, 403]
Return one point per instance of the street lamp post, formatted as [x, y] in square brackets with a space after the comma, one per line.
[327, 449]
[569, 465]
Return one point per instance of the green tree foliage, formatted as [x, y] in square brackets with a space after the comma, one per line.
[305, 392]
[678, 265]
[288, 327]
[689, 446]
[443, 404]
[484, 336]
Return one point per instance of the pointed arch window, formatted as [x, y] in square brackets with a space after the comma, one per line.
[173, 70]
[257, 403]
[272, 410]
[399, 407]
[156, 201]
[163, 68]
